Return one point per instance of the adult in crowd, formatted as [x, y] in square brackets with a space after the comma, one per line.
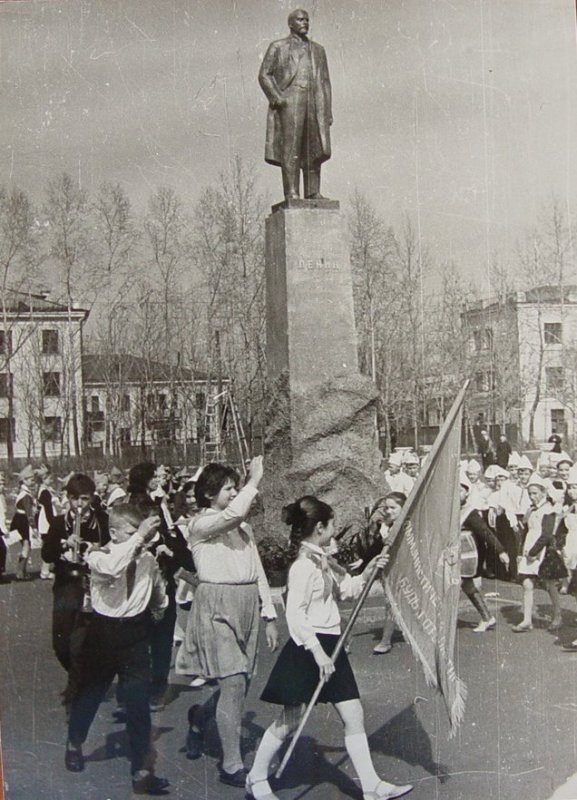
[486, 449]
[503, 452]
[223, 625]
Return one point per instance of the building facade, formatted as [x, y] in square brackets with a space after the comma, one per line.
[522, 359]
[131, 401]
[56, 400]
[40, 377]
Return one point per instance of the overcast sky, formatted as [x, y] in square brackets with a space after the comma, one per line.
[462, 113]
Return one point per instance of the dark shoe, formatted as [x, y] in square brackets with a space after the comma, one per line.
[150, 784]
[74, 760]
[237, 778]
[194, 739]
[570, 648]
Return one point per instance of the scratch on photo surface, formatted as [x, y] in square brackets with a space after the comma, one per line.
[146, 36]
[526, 772]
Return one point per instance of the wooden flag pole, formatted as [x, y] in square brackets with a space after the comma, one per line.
[395, 530]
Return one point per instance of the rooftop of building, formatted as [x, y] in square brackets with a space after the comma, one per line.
[551, 295]
[126, 368]
[18, 302]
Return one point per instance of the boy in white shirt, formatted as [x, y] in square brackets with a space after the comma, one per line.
[126, 588]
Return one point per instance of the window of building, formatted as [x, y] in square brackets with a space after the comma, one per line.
[52, 429]
[51, 384]
[554, 378]
[161, 402]
[484, 381]
[5, 342]
[125, 435]
[95, 404]
[552, 333]
[7, 426]
[5, 384]
[558, 421]
[482, 339]
[50, 342]
[126, 402]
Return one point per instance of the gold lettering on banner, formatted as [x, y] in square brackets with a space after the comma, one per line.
[317, 264]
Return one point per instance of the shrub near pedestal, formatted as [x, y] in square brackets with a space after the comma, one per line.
[275, 556]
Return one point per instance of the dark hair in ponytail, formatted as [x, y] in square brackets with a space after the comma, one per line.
[303, 516]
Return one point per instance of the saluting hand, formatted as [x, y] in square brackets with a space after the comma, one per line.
[148, 528]
[255, 471]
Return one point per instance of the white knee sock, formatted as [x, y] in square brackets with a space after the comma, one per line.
[267, 750]
[359, 753]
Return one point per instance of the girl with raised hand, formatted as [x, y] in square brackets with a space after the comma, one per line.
[314, 582]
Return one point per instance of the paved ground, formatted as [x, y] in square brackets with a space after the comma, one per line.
[518, 740]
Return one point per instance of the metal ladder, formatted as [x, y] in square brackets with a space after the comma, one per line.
[213, 444]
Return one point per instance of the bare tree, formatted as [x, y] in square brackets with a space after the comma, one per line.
[67, 213]
[18, 258]
[229, 261]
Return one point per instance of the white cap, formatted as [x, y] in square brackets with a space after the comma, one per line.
[559, 458]
[396, 459]
[491, 472]
[473, 466]
[411, 458]
[524, 463]
[500, 472]
[537, 480]
[514, 459]
[544, 460]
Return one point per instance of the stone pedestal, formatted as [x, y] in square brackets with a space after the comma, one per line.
[321, 434]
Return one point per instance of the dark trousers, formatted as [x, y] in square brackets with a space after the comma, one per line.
[68, 599]
[116, 647]
[69, 628]
[161, 639]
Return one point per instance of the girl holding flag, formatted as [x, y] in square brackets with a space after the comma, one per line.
[313, 619]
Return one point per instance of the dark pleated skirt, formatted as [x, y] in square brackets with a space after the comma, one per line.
[295, 676]
[552, 566]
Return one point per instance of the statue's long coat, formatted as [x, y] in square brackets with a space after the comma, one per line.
[276, 74]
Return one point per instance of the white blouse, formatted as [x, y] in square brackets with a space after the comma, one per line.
[224, 550]
[313, 586]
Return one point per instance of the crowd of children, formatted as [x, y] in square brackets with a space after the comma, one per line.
[116, 545]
